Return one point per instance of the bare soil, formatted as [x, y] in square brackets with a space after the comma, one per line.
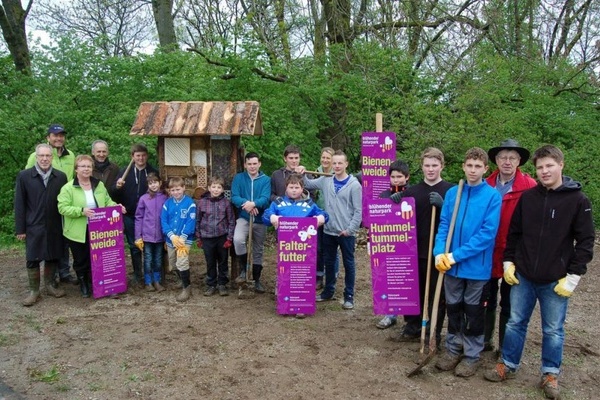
[148, 346]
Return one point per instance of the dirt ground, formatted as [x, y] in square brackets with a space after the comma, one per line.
[148, 346]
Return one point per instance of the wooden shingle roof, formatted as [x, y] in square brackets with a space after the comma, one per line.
[198, 118]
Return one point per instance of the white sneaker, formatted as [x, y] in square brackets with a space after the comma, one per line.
[348, 305]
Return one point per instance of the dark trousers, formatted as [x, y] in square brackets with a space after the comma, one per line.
[216, 260]
[413, 322]
[136, 254]
[81, 256]
[492, 301]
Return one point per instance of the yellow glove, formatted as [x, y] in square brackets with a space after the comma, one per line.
[566, 285]
[182, 251]
[443, 262]
[139, 244]
[177, 241]
[509, 273]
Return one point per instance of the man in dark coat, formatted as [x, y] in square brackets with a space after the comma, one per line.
[38, 222]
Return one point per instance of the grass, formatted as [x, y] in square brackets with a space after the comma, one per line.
[50, 376]
[8, 339]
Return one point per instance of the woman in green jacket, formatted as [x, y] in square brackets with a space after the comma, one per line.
[76, 202]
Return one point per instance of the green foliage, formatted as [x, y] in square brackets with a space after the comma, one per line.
[497, 97]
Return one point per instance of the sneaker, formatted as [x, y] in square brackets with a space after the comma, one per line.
[210, 291]
[386, 322]
[158, 287]
[223, 291]
[466, 368]
[259, 288]
[500, 373]
[242, 277]
[320, 284]
[150, 288]
[321, 298]
[447, 362]
[348, 305]
[549, 384]
[403, 337]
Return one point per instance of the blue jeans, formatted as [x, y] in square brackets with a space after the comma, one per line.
[321, 255]
[553, 310]
[330, 248]
[153, 255]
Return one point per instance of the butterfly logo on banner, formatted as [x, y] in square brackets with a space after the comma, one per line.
[308, 233]
[387, 143]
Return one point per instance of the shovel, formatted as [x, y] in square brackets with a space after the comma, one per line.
[438, 287]
[243, 291]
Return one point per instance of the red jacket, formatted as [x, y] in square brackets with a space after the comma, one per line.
[509, 202]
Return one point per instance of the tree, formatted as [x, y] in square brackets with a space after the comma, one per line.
[163, 18]
[12, 22]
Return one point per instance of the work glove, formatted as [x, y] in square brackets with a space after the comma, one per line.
[139, 244]
[182, 251]
[396, 197]
[199, 243]
[566, 285]
[443, 262]
[227, 244]
[509, 273]
[435, 199]
[177, 241]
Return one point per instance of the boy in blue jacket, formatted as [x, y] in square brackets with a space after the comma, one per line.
[468, 264]
[178, 220]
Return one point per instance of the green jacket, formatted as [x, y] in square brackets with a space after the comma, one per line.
[64, 163]
[71, 202]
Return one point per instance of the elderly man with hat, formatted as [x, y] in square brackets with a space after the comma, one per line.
[64, 161]
[511, 183]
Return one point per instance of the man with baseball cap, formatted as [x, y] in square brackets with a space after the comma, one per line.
[510, 183]
[64, 161]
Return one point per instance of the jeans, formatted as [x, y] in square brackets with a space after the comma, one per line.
[216, 260]
[153, 255]
[553, 310]
[321, 255]
[330, 248]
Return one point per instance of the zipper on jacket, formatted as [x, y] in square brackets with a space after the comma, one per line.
[537, 257]
[468, 190]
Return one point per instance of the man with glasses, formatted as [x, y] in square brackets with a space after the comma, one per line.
[510, 183]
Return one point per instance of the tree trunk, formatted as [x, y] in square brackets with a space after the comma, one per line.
[163, 17]
[12, 22]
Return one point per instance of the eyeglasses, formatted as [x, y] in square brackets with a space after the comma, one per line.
[511, 159]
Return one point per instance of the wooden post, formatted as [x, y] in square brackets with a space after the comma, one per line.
[379, 122]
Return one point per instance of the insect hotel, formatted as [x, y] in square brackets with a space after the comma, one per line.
[197, 139]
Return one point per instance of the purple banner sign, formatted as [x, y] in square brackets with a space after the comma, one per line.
[107, 252]
[377, 153]
[394, 259]
[296, 265]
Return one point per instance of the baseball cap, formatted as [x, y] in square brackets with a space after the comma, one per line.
[56, 128]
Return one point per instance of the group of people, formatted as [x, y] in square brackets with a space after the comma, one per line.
[524, 239]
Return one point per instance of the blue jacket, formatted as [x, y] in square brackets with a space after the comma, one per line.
[286, 207]
[258, 190]
[474, 233]
[147, 218]
[179, 218]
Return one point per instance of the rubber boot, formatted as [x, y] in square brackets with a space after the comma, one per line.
[51, 286]
[84, 285]
[186, 292]
[33, 275]
[242, 262]
[488, 330]
[256, 272]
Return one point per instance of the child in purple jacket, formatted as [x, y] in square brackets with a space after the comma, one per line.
[215, 223]
[148, 232]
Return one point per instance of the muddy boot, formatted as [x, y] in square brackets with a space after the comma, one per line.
[84, 284]
[242, 262]
[186, 292]
[488, 332]
[33, 275]
[51, 286]
[256, 272]
[156, 277]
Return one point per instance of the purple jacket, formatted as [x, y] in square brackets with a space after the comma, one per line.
[147, 218]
